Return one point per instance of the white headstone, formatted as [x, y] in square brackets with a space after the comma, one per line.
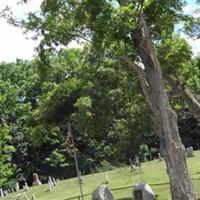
[106, 178]
[17, 186]
[145, 190]
[102, 193]
[1, 193]
[50, 185]
[51, 182]
[26, 186]
[36, 180]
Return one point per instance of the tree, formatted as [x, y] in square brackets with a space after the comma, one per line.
[6, 150]
[181, 74]
[135, 26]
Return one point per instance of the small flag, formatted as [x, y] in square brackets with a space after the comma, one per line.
[69, 143]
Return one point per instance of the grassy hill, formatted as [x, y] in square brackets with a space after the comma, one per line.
[154, 173]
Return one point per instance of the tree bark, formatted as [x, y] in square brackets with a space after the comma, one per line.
[164, 117]
[185, 94]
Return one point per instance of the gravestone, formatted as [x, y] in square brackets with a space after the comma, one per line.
[17, 186]
[106, 178]
[1, 193]
[102, 193]
[26, 186]
[189, 152]
[5, 193]
[36, 180]
[51, 182]
[54, 181]
[160, 158]
[143, 191]
[33, 197]
[50, 185]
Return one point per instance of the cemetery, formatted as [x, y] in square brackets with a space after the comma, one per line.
[99, 99]
[121, 185]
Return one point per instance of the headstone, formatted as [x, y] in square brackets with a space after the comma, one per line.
[102, 193]
[12, 190]
[138, 164]
[106, 178]
[5, 192]
[54, 181]
[17, 186]
[51, 182]
[143, 191]
[26, 186]
[189, 152]
[36, 180]
[1, 193]
[160, 158]
[33, 197]
[145, 157]
[50, 185]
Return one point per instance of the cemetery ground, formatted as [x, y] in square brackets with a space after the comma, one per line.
[121, 185]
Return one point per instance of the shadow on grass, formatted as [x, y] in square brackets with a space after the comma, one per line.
[124, 199]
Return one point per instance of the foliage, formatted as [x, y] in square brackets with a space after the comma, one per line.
[6, 150]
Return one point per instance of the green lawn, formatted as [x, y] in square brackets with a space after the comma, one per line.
[154, 174]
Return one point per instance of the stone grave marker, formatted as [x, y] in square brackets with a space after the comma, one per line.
[1, 193]
[160, 158]
[106, 178]
[102, 193]
[33, 197]
[54, 181]
[26, 186]
[143, 191]
[189, 152]
[51, 182]
[50, 185]
[36, 180]
[17, 186]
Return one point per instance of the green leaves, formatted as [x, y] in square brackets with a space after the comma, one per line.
[6, 150]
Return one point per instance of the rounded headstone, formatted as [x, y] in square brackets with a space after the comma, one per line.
[36, 180]
[102, 193]
[143, 191]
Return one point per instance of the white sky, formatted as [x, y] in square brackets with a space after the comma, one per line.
[13, 43]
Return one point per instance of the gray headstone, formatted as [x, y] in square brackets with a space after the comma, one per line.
[36, 180]
[160, 158]
[143, 191]
[33, 197]
[189, 152]
[102, 193]
[54, 181]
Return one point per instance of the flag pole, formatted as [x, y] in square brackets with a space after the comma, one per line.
[76, 163]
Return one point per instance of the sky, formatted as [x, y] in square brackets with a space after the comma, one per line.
[13, 43]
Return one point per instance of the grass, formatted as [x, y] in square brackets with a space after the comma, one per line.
[154, 174]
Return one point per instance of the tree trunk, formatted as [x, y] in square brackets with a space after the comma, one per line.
[185, 94]
[164, 117]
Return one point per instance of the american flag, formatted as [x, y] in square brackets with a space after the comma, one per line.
[69, 142]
